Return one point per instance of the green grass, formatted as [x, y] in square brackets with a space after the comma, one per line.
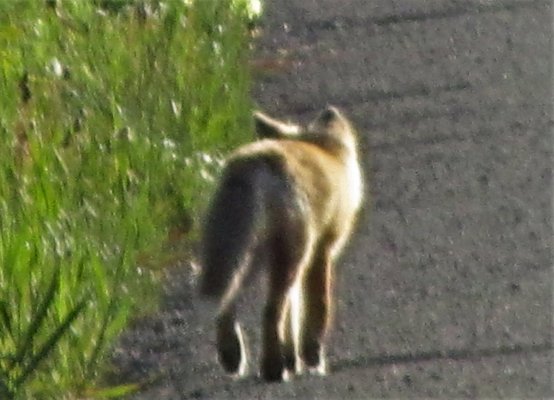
[112, 117]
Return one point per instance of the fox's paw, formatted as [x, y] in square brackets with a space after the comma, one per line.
[319, 369]
[314, 359]
[232, 351]
[273, 370]
[291, 364]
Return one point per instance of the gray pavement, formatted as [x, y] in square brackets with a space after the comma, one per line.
[446, 289]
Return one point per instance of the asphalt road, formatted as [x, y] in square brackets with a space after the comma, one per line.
[446, 289]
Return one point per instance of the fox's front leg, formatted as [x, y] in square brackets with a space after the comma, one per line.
[317, 287]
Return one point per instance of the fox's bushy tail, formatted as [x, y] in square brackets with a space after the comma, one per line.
[230, 229]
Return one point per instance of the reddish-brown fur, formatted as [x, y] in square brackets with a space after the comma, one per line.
[293, 197]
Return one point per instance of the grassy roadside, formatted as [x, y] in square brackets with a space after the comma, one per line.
[111, 117]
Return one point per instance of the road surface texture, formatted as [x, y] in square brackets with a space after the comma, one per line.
[446, 289]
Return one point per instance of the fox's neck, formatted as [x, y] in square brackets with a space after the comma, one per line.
[343, 147]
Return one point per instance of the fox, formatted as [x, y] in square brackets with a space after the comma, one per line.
[286, 203]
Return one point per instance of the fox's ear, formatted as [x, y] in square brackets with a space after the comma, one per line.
[330, 120]
[270, 128]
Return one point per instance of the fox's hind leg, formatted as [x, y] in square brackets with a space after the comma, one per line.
[289, 353]
[273, 358]
[317, 290]
[291, 329]
[231, 348]
[290, 254]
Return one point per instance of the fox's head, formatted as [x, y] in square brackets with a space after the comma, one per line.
[330, 129]
[332, 122]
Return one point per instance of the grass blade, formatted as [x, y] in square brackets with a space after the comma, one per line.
[34, 361]
[114, 391]
[5, 318]
[27, 344]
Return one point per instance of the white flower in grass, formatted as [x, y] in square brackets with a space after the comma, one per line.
[205, 157]
[176, 107]
[56, 67]
[168, 144]
[206, 175]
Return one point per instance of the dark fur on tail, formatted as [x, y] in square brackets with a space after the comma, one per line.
[230, 229]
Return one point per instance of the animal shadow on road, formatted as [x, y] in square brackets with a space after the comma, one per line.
[455, 355]
[390, 359]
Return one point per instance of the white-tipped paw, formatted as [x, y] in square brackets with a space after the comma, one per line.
[320, 369]
[232, 351]
[243, 366]
[287, 375]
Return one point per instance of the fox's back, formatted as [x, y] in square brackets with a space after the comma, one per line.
[327, 184]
